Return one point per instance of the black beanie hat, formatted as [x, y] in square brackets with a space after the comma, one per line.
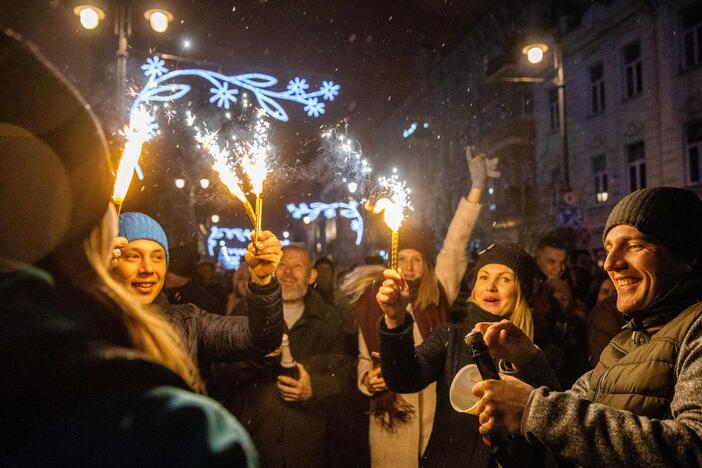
[514, 257]
[669, 215]
[414, 237]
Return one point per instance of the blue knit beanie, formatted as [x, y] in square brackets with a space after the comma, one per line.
[134, 226]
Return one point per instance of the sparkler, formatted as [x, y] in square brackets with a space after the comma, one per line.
[226, 174]
[256, 167]
[393, 209]
[137, 133]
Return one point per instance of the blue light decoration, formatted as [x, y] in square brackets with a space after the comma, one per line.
[408, 131]
[157, 89]
[230, 257]
[227, 256]
[348, 210]
[224, 91]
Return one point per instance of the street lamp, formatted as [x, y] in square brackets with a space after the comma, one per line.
[91, 13]
[535, 53]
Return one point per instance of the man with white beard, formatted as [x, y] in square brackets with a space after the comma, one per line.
[286, 417]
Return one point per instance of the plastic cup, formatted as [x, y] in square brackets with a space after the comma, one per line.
[460, 393]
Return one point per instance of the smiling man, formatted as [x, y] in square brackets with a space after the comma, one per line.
[642, 404]
[142, 263]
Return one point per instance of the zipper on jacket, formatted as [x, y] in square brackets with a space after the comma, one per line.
[600, 383]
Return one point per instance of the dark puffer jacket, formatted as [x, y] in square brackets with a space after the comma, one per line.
[213, 338]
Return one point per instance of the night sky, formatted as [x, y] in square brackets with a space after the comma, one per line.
[369, 47]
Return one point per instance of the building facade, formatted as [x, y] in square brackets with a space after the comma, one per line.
[633, 81]
[453, 105]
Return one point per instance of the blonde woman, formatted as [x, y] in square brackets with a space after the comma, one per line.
[401, 423]
[503, 285]
[92, 379]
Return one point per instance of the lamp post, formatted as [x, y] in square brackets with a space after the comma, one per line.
[535, 53]
[91, 13]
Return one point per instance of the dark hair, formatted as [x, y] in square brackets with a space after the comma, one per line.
[551, 241]
[325, 260]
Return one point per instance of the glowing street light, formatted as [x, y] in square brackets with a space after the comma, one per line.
[535, 52]
[89, 15]
[91, 12]
[158, 19]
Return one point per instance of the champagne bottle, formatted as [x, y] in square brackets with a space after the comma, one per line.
[510, 451]
[288, 366]
[479, 351]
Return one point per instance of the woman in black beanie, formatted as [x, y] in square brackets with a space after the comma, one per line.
[503, 285]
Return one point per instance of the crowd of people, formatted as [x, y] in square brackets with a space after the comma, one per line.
[121, 351]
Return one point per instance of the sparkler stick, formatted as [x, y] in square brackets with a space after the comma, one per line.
[137, 134]
[393, 210]
[256, 168]
[226, 173]
[259, 207]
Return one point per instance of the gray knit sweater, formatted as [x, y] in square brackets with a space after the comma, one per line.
[591, 434]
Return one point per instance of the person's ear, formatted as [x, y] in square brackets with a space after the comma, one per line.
[313, 276]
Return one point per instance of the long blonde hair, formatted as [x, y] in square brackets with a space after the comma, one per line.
[147, 332]
[428, 293]
[521, 316]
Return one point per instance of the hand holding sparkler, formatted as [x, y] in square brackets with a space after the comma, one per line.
[263, 257]
[393, 297]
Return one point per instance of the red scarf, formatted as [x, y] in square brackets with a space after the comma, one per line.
[388, 407]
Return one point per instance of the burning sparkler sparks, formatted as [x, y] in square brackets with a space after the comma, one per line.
[393, 209]
[139, 131]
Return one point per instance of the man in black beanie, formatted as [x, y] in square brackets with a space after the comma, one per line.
[641, 405]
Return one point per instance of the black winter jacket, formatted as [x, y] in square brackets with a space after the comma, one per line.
[215, 338]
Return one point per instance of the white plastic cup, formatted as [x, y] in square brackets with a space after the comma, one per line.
[460, 393]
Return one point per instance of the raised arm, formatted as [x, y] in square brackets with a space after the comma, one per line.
[452, 259]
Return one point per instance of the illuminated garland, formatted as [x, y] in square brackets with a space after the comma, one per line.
[347, 210]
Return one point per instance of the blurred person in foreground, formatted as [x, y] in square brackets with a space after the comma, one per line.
[641, 405]
[92, 379]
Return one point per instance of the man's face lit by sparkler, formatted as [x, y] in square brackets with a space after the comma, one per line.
[295, 274]
[142, 268]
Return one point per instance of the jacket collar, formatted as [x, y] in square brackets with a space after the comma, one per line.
[644, 323]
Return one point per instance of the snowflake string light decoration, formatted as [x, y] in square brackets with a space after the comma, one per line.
[314, 108]
[154, 67]
[329, 90]
[225, 88]
[348, 210]
[298, 86]
[223, 95]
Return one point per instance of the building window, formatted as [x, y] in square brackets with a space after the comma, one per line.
[636, 157]
[633, 73]
[691, 19]
[599, 173]
[553, 108]
[693, 151]
[597, 88]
